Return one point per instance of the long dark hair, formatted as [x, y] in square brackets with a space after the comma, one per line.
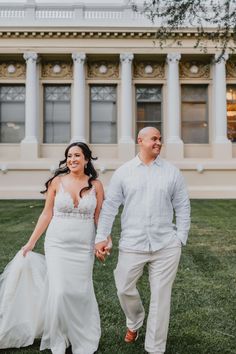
[89, 170]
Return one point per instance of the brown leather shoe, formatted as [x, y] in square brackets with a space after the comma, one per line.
[131, 336]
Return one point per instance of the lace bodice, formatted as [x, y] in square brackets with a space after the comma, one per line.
[64, 204]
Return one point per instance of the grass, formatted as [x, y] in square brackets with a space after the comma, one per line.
[203, 314]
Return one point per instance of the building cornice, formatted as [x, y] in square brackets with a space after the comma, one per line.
[92, 34]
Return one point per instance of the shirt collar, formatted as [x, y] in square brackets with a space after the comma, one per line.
[139, 162]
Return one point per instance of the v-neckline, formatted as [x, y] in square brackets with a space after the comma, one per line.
[75, 205]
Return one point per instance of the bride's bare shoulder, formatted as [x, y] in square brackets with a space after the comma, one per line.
[97, 184]
[55, 183]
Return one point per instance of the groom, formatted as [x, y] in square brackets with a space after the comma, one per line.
[150, 189]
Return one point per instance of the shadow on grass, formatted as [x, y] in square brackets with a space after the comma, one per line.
[206, 261]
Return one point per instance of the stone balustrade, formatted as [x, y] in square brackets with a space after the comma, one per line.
[31, 13]
[35, 14]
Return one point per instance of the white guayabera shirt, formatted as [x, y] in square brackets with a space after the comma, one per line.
[150, 194]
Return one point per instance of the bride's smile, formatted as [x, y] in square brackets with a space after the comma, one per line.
[76, 160]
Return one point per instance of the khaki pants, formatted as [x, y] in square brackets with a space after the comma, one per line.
[162, 267]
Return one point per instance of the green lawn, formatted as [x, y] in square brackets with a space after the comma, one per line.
[203, 316]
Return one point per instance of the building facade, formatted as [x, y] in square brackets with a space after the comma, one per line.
[97, 74]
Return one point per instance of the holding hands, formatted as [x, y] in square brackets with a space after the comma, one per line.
[102, 249]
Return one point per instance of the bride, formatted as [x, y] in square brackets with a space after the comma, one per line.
[55, 299]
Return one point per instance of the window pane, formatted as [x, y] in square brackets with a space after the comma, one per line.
[148, 112]
[149, 107]
[57, 113]
[194, 93]
[194, 114]
[103, 123]
[12, 113]
[103, 93]
[148, 93]
[231, 112]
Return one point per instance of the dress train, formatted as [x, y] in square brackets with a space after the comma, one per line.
[23, 288]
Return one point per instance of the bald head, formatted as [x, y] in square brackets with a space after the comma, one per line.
[149, 140]
[145, 131]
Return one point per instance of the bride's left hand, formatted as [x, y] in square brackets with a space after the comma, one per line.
[101, 255]
[102, 252]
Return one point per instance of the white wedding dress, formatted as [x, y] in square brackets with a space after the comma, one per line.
[55, 299]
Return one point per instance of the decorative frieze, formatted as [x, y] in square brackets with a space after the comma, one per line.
[103, 70]
[231, 69]
[12, 70]
[149, 70]
[57, 70]
[81, 33]
[194, 70]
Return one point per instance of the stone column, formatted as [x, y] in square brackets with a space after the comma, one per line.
[222, 147]
[29, 145]
[126, 141]
[78, 119]
[174, 144]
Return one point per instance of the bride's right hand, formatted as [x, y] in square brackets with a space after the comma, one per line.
[27, 248]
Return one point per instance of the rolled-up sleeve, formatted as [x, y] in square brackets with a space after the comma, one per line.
[181, 205]
[110, 207]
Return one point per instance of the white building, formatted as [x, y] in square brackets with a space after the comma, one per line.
[96, 73]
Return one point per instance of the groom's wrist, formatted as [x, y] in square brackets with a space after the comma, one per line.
[100, 238]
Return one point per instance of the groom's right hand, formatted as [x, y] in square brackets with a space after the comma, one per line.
[100, 250]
